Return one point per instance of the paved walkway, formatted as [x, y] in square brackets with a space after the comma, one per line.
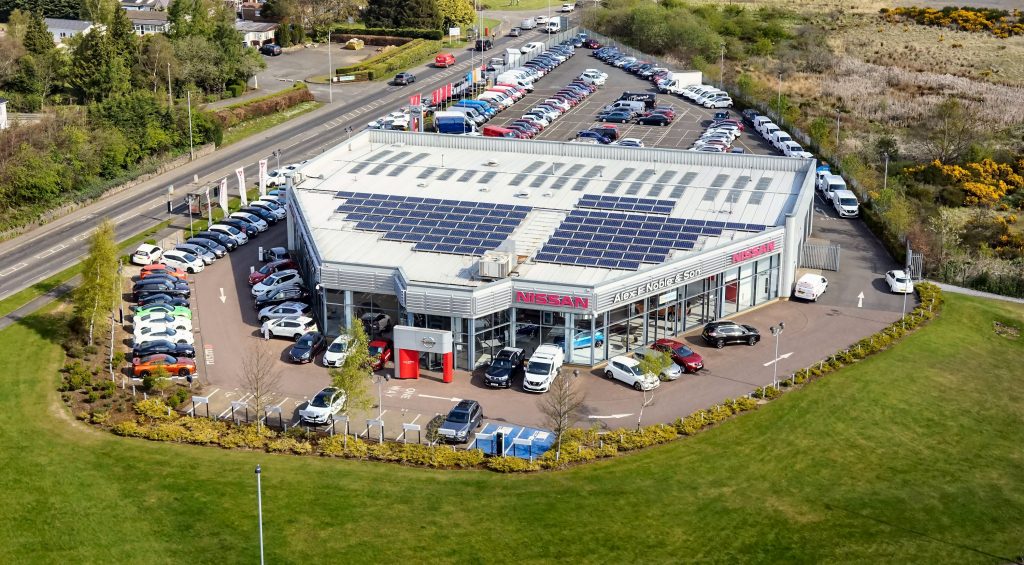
[971, 292]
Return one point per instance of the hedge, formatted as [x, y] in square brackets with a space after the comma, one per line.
[263, 106]
[397, 32]
[399, 58]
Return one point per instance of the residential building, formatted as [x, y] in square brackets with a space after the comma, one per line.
[64, 30]
[255, 34]
[146, 22]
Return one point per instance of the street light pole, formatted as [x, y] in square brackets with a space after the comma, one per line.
[837, 131]
[259, 509]
[191, 153]
[277, 155]
[776, 331]
[885, 179]
[721, 70]
[330, 71]
[780, 98]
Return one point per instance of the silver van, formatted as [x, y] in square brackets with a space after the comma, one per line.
[635, 106]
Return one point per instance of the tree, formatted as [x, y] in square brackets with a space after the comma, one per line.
[38, 39]
[122, 35]
[318, 15]
[11, 51]
[98, 290]
[455, 13]
[562, 404]
[950, 130]
[189, 17]
[279, 10]
[420, 14]
[355, 373]
[157, 60]
[17, 24]
[97, 70]
[655, 362]
[260, 376]
[100, 11]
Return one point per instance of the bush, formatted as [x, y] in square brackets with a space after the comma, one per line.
[175, 400]
[338, 446]
[75, 377]
[511, 465]
[263, 106]
[393, 60]
[395, 32]
[129, 428]
[155, 409]
[289, 445]
[248, 436]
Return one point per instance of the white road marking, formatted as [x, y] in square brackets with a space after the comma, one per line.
[781, 357]
[189, 413]
[610, 416]
[451, 399]
[399, 438]
[11, 270]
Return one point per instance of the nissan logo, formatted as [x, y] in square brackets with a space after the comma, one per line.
[428, 342]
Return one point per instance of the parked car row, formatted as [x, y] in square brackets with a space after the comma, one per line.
[719, 135]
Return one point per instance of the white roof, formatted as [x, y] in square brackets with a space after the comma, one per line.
[548, 180]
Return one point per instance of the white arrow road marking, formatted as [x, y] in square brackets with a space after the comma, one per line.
[860, 300]
[451, 399]
[781, 357]
[222, 297]
[610, 416]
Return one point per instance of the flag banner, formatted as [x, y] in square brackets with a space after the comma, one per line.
[436, 97]
[469, 77]
[240, 173]
[209, 204]
[448, 91]
[224, 194]
[415, 100]
[263, 177]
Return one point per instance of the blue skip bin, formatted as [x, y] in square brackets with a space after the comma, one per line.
[520, 441]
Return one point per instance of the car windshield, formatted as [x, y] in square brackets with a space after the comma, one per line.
[306, 340]
[337, 347]
[376, 351]
[683, 351]
[502, 364]
[538, 367]
[851, 202]
[321, 400]
[633, 369]
[901, 279]
[458, 416]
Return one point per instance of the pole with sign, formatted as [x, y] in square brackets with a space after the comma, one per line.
[263, 178]
[170, 192]
[209, 204]
[240, 173]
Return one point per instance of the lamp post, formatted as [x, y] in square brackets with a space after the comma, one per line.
[259, 509]
[330, 70]
[885, 177]
[837, 131]
[780, 98]
[191, 153]
[381, 379]
[277, 155]
[776, 331]
[721, 70]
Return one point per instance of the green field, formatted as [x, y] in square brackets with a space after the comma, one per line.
[913, 456]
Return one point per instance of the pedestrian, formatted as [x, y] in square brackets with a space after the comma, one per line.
[266, 333]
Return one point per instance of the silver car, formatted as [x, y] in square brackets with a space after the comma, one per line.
[284, 310]
[670, 373]
[206, 255]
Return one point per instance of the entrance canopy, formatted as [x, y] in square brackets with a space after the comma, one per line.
[410, 342]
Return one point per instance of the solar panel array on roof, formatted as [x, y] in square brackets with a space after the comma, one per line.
[487, 177]
[426, 172]
[397, 170]
[467, 175]
[377, 169]
[377, 156]
[446, 174]
[359, 167]
[581, 183]
[634, 188]
[624, 173]
[626, 204]
[518, 179]
[711, 194]
[594, 171]
[573, 170]
[443, 226]
[756, 198]
[398, 156]
[719, 181]
[417, 158]
[762, 183]
[612, 187]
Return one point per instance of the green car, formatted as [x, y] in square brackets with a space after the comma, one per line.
[176, 311]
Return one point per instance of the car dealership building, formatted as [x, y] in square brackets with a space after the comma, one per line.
[506, 242]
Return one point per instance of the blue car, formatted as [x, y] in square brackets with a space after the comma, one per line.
[583, 339]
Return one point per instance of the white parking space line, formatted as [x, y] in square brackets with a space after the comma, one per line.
[227, 410]
[400, 437]
[381, 417]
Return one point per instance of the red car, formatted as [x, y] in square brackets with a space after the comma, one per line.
[161, 269]
[688, 359]
[270, 268]
[381, 351]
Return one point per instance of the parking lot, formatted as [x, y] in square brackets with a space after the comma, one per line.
[689, 124]
[226, 328]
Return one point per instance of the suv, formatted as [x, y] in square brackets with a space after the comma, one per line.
[484, 44]
[271, 49]
[461, 421]
[404, 79]
[542, 368]
[722, 332]
[504, 368]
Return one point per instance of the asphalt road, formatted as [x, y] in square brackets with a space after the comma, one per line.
[40, 253]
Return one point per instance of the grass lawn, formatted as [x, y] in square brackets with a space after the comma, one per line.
[913, 456]
[244, 129]
[507, 5]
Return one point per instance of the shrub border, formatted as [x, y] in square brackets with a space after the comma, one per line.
[156, 421]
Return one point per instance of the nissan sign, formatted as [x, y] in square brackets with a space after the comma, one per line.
[752, 252]
[549, 299]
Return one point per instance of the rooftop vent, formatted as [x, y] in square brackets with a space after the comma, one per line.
[523, 193]
[491, 163]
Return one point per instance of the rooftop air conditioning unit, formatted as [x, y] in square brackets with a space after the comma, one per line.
[495, 265]
[523, 193]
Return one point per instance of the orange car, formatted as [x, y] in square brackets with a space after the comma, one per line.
[181, 366]
[162, 269]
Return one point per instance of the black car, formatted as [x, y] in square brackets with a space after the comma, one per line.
[164, 347]
[228, 243]
[503, 369]
[209, 245]
[263, 214]
[461, 421]
[402, 79]
[484, 44]
[609, 132]
[307, 348]
[271, 50]
[159, 277]
[141, 295]
[654, 120]
[749, 115]
[723, 332]
[161, 298]
[248, 229]
[160, 286]
[279, 295]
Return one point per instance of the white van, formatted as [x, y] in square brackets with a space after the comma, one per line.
[470, 113]
[831, 183]
[553, 26]
[635, 106]
[844, 201]
[810, 287]
[780, 138]
[542, 368]
[532, 47]
[760, 121]
[503, 100]
[528, 23]
[768, 130]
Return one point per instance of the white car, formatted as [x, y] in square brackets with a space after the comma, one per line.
[592, 79]
[324, 406]
[670, 373]
[206, 255]
[162, 318]
[630, 142]
[270, 207]
[811, 287]
[147, 254]
[277, 280]
[284, 310]
[288, 328]
[336, 352]
[232, 232]
[388, 121]
[556, 103]
[164, 333]
[628, 371]
[899, 282]
[597, 72]
[258, 222]
[182, 260]
[718, 102]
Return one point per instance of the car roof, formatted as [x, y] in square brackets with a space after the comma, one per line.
[629, 361]
[465, 404]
